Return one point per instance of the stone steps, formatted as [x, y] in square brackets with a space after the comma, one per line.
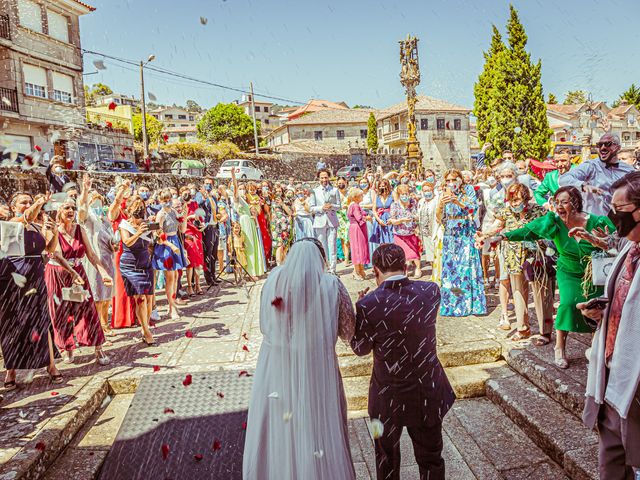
[548, 424]
[468, 381]
[84, 456]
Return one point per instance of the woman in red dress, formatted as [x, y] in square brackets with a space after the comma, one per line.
[122, 307]
[193, 246]
[74, 318]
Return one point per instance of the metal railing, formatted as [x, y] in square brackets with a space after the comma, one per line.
[9, 100]
[395, 135]
[5, 26]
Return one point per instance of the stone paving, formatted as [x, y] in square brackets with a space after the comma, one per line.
[221, 331]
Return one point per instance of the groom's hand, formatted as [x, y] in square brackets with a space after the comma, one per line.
[362, 293]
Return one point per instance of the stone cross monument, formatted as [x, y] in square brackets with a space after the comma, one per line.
[410, 78]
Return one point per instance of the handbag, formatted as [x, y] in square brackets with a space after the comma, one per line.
[75, 294]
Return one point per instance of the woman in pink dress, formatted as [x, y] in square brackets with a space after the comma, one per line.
[358, 237]
[74, 318]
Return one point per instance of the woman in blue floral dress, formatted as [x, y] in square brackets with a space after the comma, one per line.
[461, 284]
[382, 231]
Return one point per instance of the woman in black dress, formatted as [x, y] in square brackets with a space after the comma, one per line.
[25, 325]
[135, 264]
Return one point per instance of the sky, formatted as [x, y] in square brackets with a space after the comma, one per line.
[348, 50]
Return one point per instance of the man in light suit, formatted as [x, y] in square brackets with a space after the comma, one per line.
[613, 384]
[324, 204]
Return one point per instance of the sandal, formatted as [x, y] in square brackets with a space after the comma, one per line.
[541, 340]
[504, 324]
[199, 291]
[560, 360]
[9, 386]
[521, 335]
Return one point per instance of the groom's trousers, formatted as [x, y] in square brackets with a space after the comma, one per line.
[427, 446]
[327, 235]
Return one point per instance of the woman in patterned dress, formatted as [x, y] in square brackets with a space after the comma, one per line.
[404, 216]
[343, 222]
[461, 282]
[261, 201]
[281, 213]
[382, 231]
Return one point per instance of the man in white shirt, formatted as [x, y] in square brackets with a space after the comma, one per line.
[324, 203]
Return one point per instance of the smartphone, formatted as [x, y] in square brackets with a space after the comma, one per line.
[599, 303]
[153, 226]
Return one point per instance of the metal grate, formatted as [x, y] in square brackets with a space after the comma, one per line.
[5, 26]
[200, 417]
[9, 99]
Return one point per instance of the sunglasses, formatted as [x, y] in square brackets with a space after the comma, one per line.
[604, 144]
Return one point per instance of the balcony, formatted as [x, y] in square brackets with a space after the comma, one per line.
[8, 100]
[5, 26]
[395, 136]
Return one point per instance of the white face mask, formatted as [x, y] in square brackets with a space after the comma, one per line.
[491, 181]
[507, 182]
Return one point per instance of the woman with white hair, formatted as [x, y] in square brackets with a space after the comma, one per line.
[297, 425]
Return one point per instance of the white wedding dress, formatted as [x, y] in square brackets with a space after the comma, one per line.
[297, 425]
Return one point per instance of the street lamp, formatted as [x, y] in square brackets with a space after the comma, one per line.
[145, 143]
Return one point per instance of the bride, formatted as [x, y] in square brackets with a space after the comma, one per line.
[297, 425]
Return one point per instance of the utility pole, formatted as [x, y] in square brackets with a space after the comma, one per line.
[145, 143]
[253, 113]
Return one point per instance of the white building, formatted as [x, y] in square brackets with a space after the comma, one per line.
[264, 113]
[179, 124]
[115, 98]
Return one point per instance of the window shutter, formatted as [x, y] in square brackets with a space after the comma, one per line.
[58, 26]
[30, 15]
[35, 75]
[63, 83]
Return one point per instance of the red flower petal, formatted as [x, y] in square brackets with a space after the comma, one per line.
[244, 335]
[276, 302]
[165, 451]
[244, 373]
[187, 380]
[188, 334]
[244, 425]
[476, 187]
[69, 164]
[156, 368]
[41, 446]
[112, 106]
[197, 457]
[109, 124]
[165, 137]
[163, 237]
[156, 355]
[35, 337]
[245, 348]
[38, 148]
[53, 394]
[169, 410]
[216, 444]
[220, 394]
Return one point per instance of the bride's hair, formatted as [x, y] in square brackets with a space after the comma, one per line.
[317, 243]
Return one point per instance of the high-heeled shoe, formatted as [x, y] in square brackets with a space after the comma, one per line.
[102, 358]
[58, 378]
[148, 344]
[560, 360]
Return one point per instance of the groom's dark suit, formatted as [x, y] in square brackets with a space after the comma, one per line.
[408, 385]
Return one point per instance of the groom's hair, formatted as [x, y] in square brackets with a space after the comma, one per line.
[389, 257]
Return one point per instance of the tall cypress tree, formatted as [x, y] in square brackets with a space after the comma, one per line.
[372, 134]
[517, 113]
[483, 89]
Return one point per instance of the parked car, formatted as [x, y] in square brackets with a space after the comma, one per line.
[350, 172]
[113, 166]
[245, 169]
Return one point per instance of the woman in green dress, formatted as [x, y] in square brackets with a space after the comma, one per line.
[574, 256]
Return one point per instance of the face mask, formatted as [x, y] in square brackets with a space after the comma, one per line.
[57, 170]
[364, 186]
[453, 186]
[174, 196]
[491, 181]
[341, 186]
[241, 193]
[265, 189]
[208, 187]
[300, 195]
[145, 195]
[167, 205]
[428, 194]
[192, 191]
[404, 181]
[97, 211]
[507, 182]
[430, 180]
[404, 198]
[623, 221]
[522, 171]
[518, 208]
[19, 215]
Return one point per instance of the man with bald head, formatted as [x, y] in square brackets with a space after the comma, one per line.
[595, 177]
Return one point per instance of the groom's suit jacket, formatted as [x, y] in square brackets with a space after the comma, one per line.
[325, 218]
[398, 322]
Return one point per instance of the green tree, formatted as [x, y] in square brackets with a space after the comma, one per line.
[484, 87]
[360, 106]
[193, 107]
[552, 99]
[514, 116]
[631, 96]
[575, 96]
[227, 121]
[372, 134]
[154, 128]
[101, 89]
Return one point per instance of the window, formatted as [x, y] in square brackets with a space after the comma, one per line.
[440, 123]
[631, 119]
[58, 26]
[396, 126]
[35, 81]
[182, 137]
[457, 124]
[257, 108]
[266, 121]
[62, 88]
[424, 124]
[191, 118]
[30, 15]
[340, 134]
[182, 117]
[245, 164]
[363, 133]
[317, 135]
[168, 117]
[265, 109]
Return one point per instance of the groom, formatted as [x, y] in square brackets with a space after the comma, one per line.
[324, 203]
[409, 387]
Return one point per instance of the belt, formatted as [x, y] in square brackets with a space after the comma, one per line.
[73, 262]
[457, 218]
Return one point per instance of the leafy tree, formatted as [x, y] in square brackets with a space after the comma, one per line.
[227, 121]
[101, 89]
[372, 134]
[511, 109]
[484, 87]
[154, 128]
[575, 96]
[552, 99]
[193, 107]
[631, 96]
[361, 106]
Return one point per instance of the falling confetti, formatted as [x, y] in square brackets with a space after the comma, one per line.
[220, 394]
[274, 395]
[319, 454]
[38, 148]
[244, 425]
[169, 410]
[152, 97]
[35, 337]
[99, 64]
[156, 368]
[287, 416]
[245, 348]
[165, 451]
[203, 20]
[188, 334]
[197, 457]
[376, 428]
[244, 335]
[217, 445]
[6, 101]
[19, 280]
[41, 446]
[277, 302]
[33, 291]
[187, 380]
[112, 106]
[244, 373]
